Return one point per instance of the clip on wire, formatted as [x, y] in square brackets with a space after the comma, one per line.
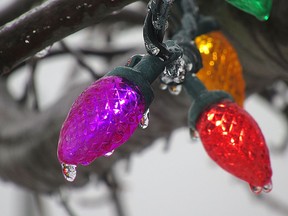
[154, 28]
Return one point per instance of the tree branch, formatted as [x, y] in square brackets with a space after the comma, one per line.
[48, 23]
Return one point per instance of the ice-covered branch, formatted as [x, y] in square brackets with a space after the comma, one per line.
[48, 23]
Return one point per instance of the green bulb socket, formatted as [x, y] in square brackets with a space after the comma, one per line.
[201, 98]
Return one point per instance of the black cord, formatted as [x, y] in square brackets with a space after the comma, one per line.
[154, 28]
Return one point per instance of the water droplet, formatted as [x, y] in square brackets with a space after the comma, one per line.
[43, 52]
[48, 27]
[256, 189]
[153, 50]
[175, 89]
[163, 86]
[68, 17]
[157, 25]
[144, 122]
[27, 41]
[166, 25]
[69, 171]
[108, 154]
[189, 67]
[194, 134]
[268, 187]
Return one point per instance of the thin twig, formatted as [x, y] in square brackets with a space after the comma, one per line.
[129, 16]
[268, 94]
[32, 85]
[274, 203]
[65, 204]
[107, 53]
[80, 59]
[39, 204]
[113, 184]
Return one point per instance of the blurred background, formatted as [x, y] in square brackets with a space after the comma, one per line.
[173, 176]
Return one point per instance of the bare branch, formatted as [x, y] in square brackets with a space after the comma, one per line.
[112, 182]
[129, 16]
[274, 203]
[48, 23]
[65, 204]
[32, 85]
[80, 59]
[107, 53]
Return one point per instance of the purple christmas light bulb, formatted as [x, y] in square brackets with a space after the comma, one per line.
[101, 119]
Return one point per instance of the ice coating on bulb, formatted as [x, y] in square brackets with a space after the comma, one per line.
[235, 142]
[102, 118]
[144, 122]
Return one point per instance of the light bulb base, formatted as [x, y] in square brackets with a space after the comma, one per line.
[142, 71]
[201, 98]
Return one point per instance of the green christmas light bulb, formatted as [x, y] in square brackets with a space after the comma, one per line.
[259, 8]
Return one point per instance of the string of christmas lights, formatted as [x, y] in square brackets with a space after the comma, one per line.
[108, 112]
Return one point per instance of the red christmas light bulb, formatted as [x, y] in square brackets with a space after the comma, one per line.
[235, 142]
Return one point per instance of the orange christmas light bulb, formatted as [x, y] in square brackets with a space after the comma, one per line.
[221, 67]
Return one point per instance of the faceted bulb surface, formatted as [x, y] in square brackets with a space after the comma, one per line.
[101, 119]
[235, 142]
[221, 66]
